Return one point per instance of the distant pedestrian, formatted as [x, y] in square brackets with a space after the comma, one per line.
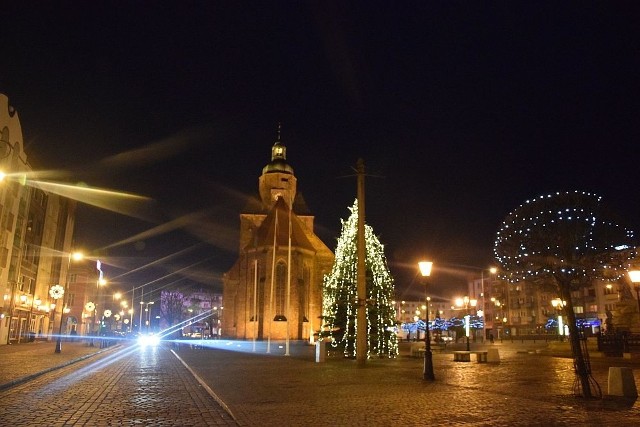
[491, 338]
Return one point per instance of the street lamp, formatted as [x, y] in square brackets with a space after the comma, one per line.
[427, 374]
[76, 256]
[140, 322]
[634, 275]
[466, 302]
[498, 307]
[130, 323]
[559, 304]
[148, 316]
[100, 282]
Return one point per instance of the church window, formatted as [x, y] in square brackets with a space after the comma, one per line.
[280, 290]
[252, 284]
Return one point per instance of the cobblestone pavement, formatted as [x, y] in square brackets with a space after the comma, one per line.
[125, 385]
[526, 389]
[19, 362]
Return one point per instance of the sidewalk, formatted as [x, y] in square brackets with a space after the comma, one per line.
[20, 362]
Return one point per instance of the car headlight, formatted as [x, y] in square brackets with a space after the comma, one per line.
[145, 340]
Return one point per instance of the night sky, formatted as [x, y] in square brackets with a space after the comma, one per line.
[460, 110]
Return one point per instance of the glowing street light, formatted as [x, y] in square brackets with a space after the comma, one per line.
[427, 374]
[634, 275]
[559, 305]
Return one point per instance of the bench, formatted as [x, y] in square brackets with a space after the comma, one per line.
[465, 356]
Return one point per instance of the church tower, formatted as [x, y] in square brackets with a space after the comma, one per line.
[277, 179]
[274, 288]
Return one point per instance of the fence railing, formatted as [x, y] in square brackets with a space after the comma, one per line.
[616, 344]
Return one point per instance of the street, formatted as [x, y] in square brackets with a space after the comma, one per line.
[128, 386]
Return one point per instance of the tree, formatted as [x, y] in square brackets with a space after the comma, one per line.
[565, 241]
[172, 309]
[207, 298]
[341, 295]
[625, 315]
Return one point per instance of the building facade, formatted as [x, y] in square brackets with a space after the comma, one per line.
[87, 301]
[409, 312]
[524, 309]
[36, 230]
[204, 310]
[274, 289]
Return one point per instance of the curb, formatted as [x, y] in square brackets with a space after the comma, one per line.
[207, 389]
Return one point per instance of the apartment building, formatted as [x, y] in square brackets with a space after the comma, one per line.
[524, 309]
[36, 229]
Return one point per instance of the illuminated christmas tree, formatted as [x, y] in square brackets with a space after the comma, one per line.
[340, 296]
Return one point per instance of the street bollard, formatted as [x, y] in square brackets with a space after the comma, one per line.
[622, 383]
[321, 351]
[493, 355]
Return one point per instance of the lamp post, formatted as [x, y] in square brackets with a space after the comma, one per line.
[77, 256]
[101, 281]
[140, 322]
[148, 316]
[124, 306]
[106, 315]
[90, 307]
[133, 290]
[427, 374]
[93, 307]
[466, 302]
[634, 275]
[104, 319]
[115, 301]
[498, 307]
[57, 292]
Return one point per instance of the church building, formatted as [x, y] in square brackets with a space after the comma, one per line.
[274, 289]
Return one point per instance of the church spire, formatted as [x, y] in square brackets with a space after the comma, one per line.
[278, 151]
[278, 161]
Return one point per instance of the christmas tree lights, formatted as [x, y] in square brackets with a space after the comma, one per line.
[340, 296]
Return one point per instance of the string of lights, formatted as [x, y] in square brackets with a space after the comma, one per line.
[555, 234]
[340, 295]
